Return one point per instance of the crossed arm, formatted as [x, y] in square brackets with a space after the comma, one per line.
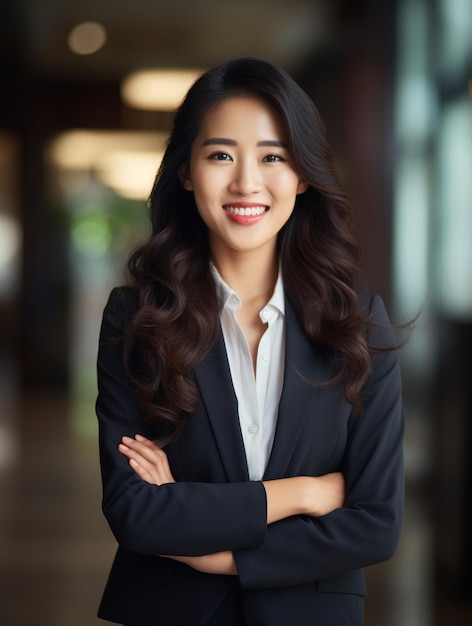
[299, 495]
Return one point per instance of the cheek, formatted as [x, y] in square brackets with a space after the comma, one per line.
[204, 206]
[288, 185]
[203, 183]
[202, 200]
[209, 190]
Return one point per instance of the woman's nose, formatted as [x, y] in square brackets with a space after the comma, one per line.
[247, 179]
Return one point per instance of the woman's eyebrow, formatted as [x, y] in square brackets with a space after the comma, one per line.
[222, 141]
[272, 143]
[219, 141]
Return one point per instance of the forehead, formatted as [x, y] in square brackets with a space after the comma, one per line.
[243, 115]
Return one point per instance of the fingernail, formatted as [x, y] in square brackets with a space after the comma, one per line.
[139, 437]
[126, 440]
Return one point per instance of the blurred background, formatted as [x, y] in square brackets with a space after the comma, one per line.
[82, 128]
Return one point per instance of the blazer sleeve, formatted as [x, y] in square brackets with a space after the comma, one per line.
[180, 518]
[367, 528]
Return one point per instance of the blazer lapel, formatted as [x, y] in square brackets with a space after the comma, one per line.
[303, 369]
[218, 396]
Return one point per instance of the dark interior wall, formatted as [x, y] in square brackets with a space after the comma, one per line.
[352, 83]
[452, 475]
[48, 108]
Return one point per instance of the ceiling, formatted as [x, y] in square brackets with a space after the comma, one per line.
[158, 33]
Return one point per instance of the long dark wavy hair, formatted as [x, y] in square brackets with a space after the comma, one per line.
[176, 316]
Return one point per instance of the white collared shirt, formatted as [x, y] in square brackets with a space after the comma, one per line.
[258, 394]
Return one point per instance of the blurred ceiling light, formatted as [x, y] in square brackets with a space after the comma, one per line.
[85, 149]
[157, 90]
[76, 150]
[87, 38]
[130, 174]
[126, 161]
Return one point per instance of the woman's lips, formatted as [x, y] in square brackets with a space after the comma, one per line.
[245, 212]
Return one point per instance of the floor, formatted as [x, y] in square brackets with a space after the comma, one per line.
[54, 544]
[55, 548]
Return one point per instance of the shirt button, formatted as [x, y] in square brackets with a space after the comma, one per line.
[265, 357]
[265, 315]
[253, 428]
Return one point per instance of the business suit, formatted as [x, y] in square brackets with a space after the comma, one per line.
[288, 569]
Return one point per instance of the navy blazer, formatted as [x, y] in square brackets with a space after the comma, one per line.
[213, 506]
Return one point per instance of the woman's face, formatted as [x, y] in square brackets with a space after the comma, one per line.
[242, 176]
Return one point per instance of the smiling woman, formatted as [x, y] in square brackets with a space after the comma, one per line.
[242, 174]
[265, 391]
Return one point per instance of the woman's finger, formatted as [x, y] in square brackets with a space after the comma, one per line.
[152, 463]
[136, 457]
[143, 473]
[145, 448]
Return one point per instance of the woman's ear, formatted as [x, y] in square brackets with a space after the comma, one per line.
[302, 187]
[185, 179]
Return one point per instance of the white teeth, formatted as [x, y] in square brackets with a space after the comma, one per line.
[249, 211]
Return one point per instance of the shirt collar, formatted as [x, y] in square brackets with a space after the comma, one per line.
[229, 299]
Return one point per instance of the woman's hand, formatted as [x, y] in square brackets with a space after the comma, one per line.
[300, 495]
[151, 464]
[148, 460]
[304, 495]
[325, 494]
[217, 563]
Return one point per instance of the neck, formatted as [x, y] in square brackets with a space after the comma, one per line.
[251, 275]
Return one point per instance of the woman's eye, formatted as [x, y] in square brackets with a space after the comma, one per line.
[273, 158]
[220, 156]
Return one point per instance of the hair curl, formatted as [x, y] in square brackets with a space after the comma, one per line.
[176, 319]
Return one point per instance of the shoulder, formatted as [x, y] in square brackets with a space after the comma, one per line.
[373, 307]
[120, 306]
[379, 330]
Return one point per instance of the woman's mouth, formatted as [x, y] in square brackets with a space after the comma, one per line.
[245, 214]
[245, 211]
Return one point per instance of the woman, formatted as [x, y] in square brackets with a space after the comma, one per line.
[267, 468]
